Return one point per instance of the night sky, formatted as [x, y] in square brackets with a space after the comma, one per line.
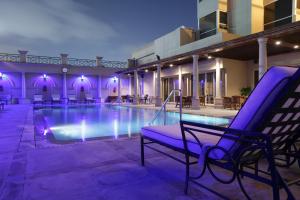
[87, 28]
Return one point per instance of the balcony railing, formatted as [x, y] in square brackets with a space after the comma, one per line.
[6, 57]
[43, 60]
[82, 62]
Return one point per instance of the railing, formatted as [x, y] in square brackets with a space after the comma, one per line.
[5, 57]
[114, 64]
[281, 21]
[163, 107]
[82, 62]
[43, 60]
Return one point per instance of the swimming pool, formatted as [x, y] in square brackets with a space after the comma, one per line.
[73, 123]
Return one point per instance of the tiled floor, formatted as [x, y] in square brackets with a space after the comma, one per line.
[101, 169]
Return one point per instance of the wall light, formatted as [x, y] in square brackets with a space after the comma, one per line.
[1, 76]
[171, 65]
[209, 57]
[82, 78]
[296, 46]
[278, 42]
[146, 70]
[45, 77]
[115, 79]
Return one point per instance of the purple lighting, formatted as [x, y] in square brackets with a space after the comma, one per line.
[115, 78]
[45, 77]
[1, 76]
[82, 78]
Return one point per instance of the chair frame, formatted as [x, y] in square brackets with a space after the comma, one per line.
[258, 146]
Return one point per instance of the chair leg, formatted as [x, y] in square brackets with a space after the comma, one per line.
[142, 151]
[187, 173]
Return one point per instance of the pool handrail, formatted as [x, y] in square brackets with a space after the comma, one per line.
[163, 107]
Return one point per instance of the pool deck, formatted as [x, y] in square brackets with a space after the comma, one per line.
[94, 170]
[208, 110]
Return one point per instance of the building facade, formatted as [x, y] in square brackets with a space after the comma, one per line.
[235, 43]
[22, 76]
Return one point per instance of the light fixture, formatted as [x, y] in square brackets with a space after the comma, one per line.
[209, 57]
[296, 46]
[45, 77]
[171, 65]
[1, 75]
[115, 79]
[82, 78]
[278, 42]
[128, 74]
[146, 70]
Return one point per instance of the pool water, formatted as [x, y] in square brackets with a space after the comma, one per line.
[68, 123]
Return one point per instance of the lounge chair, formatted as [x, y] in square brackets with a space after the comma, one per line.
[89, 98]
[38, 98]
[5, 98]
[237, 102]
[55, 98]
[2, 105]
[265, 127]
[72, 98]
[202, 100]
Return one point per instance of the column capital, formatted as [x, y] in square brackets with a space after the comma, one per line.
[195, 57]
[262, 40]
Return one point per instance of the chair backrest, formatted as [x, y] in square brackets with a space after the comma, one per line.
[55, 97]
[72, 97]
[261, 102]
[37, 97]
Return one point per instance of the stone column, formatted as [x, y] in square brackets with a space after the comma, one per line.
[158, 101]
[99, 61]
[262, 59]
[65, 93]
[64, 58]
[179, 78]
[23, 86]
[135, 83]
[119, 89]
[195, 101]
[22, 55]
[218, 98]
[205, 87]
[99, 88]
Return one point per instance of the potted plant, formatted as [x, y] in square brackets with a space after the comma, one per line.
[245, 92]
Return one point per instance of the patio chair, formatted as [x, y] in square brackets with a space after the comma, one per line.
[237, 102]
[72, 98]
[89, 98]
[2, 105]
[55, 98]
[227, 102]
[202, 100]
[38, 98]
[5, 98]
[265, 127]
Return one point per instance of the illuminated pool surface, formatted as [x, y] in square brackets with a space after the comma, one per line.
[88, 122]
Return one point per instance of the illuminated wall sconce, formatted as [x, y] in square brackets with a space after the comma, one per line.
[115, 79]
[1, 76]
[45, 77]
[82, 78]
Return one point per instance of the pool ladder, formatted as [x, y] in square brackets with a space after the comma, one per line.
[163, 107]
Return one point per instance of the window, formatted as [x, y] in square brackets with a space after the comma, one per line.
[223, 20]
[278, 13]
[208, 25]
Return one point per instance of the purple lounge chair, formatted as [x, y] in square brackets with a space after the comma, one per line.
[273, 107]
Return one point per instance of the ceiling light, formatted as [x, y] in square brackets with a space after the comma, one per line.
[171, 65]
[209, 57]
[296, 46]
[278, 42]
[128, 74]
[146, 70]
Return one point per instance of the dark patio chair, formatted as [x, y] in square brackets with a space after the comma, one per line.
[237, 102]
[38, 98]
[227, 102]
[55, 98]
[265, 128]
[202, 100]
[89, 98]
[72, 98]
